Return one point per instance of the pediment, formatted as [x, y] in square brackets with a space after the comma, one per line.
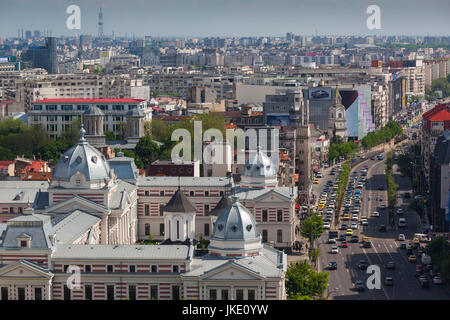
[272, 196]
[77, 203]
[23, 269]
[231, 271]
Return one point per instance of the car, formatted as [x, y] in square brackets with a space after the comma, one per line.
[363, 217]
[321, 206]
[365, 239]
[424, 282]
[349, 232]
[332, 240]
[342, 237]
[388, 281]
[346, 217]
[372, 158]
[380, 157]
[382, 228]
[334, 249]
[344, 226]
[390, 265]
[328, 218]
[362, 265]
[364, 222]
[344, 244]
[360, 185]
[401, 237]
[332, 265]
[403, 245]
[330, 211]
[375, 214]
[419, 270]
[409, 251]
[354, 225]
[380, 187]
[354, 238]
[355, 217]
[400, 211]
[326, 226]
[363, 179]
[359, 285]
[382, 206]
[407, 195]
[412, 258]
[437, 280]
[316, 181]
[320, 94]
[367, 244]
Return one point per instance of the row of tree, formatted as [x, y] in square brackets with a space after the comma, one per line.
[339, 148]
[382, 135]
[391, 185]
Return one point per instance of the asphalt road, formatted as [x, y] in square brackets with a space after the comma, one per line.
[384, 248]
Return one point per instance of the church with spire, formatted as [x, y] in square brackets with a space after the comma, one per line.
[337, 123]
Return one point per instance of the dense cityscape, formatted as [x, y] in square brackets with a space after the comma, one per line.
[293, 167]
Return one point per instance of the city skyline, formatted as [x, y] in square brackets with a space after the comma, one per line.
[228, 19]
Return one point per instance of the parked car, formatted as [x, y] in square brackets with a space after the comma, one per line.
[382, 228]
[332, 265]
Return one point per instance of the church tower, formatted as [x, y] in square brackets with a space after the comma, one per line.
[93, 118]
[179, 218]
[135, 125]
[337, 124]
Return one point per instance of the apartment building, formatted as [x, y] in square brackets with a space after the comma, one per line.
[435, 69]
[55, 115]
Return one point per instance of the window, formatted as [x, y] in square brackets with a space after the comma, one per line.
[4, 293]
[147, 193]
[221, 193]
[239, 294]
[11, 210]
[110, 292]
[279, 235]
[66, 293]
[66, 107]
[132, 268]
[23, 243]
[132, 292]
[212, 294]
[191, 193]
[279, 215]
[206, 229]
[264, 235]
[161, 210]
[153, 292]
[154, 268]
[20, 293]
[65, 267]
[225, 294]
[88, 292]
[20, 210]
[175, 268]
[161, 229]
[175, 292]
[87, 268]
[206, 210]
[147, 229]
[264, 215]
[251, 295]
[109, 268]
[161, 193]
[147, 210]
[206, 193]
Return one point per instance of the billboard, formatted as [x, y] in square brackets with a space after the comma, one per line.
[319, 93]
[278, 120]
[3, 59]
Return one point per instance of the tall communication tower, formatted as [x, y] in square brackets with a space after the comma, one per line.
[100, 23]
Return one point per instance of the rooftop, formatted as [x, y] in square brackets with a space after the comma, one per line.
[89, 101]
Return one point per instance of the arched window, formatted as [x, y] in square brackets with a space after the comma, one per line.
[340, 115]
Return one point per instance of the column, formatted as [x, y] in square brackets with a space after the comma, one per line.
[166, 227]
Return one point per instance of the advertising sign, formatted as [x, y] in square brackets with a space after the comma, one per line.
[319, 93]
[3, 59]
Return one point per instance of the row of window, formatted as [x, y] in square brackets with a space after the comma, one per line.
[264, 234]
[223, 294]
[161, 229]
[191, 193]
[131, 268]
[20, 292]
[13, 210]
[265, 216]
[206, 210]
[110, 292]
[69, 107]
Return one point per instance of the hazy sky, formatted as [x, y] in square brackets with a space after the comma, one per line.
[228, 17]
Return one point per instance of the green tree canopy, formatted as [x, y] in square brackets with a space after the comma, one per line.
[146, 151]
[304, 282]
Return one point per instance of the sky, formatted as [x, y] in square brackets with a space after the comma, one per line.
[203, 18]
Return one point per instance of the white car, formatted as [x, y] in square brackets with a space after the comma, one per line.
[330, 211]
[401, 237]
[326, 226]
[363, 179]
[332, 240]
[331, 206]
[375, 214]
[334, 249]
[360, 185]
[364, 222]
[354, 225]
[324, 195]
[355, 217]
[400, 210]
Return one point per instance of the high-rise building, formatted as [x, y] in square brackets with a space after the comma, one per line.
[37, 34]
[28, 34]
[43, 57]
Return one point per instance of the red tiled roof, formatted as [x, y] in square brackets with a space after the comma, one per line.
[38, 176]
[438, 113]
[5, 163]
[35, 166]
[89, 101]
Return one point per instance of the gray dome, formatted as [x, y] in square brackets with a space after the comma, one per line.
[259, 165]
[235, 223]
[136, 112]
[82, 158]
[93, 111]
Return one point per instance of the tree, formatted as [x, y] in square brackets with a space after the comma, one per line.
[311, 229]
[147, 151]
[303, 281]
[6, 154]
